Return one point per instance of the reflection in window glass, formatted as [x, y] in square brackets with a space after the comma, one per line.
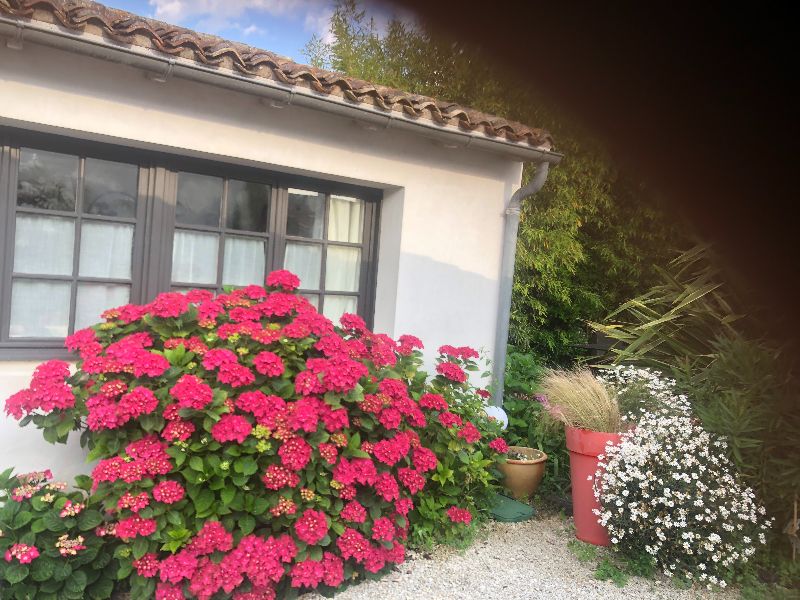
[344, 220]
[39, 309]
[342, 269]
[106, 250]
[94, 298]
[43, 245]
[244, 262]
[248, 206]
[306, 214]
[47, 180]
[305, 261]
[194, 257]
[199, 200]
[110, 188]
[336, 306]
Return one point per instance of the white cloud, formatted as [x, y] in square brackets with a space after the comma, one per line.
[252, 29]
[228, 10]
[318, 21]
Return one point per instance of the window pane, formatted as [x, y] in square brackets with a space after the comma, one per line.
[344, 220]
[244, 262]
[43, 245]
[305, 261]
[194, 257]
[110, 188]
[47, 180]
[199, 199]
[106, 250]
[39, 309]
[94, 298]
[248, 206]
[342, 269]
[313, 299]
[306, 212]
[336, 306]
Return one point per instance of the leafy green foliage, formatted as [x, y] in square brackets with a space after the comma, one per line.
[740, 386]
[466, 475]
[583, 552]
[587, 241]
[30, 515]
[771, 576]
[608, 569]
[528, 424]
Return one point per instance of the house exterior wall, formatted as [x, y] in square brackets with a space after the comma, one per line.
[441, 225]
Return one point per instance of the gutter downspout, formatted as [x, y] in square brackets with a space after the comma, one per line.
[512, 212]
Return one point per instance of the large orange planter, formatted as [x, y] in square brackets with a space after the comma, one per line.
[584, 447]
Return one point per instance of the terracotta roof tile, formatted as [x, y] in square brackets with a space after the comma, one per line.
[127, 28]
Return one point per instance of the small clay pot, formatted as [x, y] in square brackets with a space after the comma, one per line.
[522, 477]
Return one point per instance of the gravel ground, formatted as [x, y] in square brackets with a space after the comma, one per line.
[511, 561]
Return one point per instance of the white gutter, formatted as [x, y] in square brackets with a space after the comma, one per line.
[163, 67]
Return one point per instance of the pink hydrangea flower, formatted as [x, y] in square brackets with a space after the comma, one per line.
[459, 515]
[312, 526]
[231, 428]
[168, 492]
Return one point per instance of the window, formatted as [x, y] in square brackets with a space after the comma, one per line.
[324, 248]
[89, 226]
[74, 227]
[221, 232]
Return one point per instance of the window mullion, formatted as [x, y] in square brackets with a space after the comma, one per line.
[368, 251]
[8, 158]
[139, 235]
[278, 226]
[164, 190]
[76, 248]
[223, 215]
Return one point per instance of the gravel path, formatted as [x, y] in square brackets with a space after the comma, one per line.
[512, 561]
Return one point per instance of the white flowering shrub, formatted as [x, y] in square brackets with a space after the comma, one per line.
[641, 391]
[669, 491]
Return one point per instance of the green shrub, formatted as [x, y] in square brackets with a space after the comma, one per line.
[528, 425]
[48, 545]
[742, 387]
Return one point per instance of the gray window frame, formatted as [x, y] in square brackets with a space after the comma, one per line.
[155, 225]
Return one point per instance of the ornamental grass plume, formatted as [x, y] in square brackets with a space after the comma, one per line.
[577, 399]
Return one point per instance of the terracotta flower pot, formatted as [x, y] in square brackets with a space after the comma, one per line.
[584, 447]
[522, 477]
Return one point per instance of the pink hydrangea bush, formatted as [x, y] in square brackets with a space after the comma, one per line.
[465, 442]
[51, 543]
[247, 447]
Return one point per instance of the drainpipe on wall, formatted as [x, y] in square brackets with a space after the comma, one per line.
[512, 212]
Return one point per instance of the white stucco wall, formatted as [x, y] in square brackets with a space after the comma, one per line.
[441, 221]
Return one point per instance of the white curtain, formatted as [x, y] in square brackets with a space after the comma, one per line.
[342, 269]
[194, 257]
[94, 298]
[39, 309]
[106, 250]
[305, 261]
[244, 262]
[44, 245]
[344, 219]
[336, 306]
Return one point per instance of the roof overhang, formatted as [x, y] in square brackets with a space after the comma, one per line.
[160, 67]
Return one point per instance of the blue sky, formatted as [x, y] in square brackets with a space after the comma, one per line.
[282, 26]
